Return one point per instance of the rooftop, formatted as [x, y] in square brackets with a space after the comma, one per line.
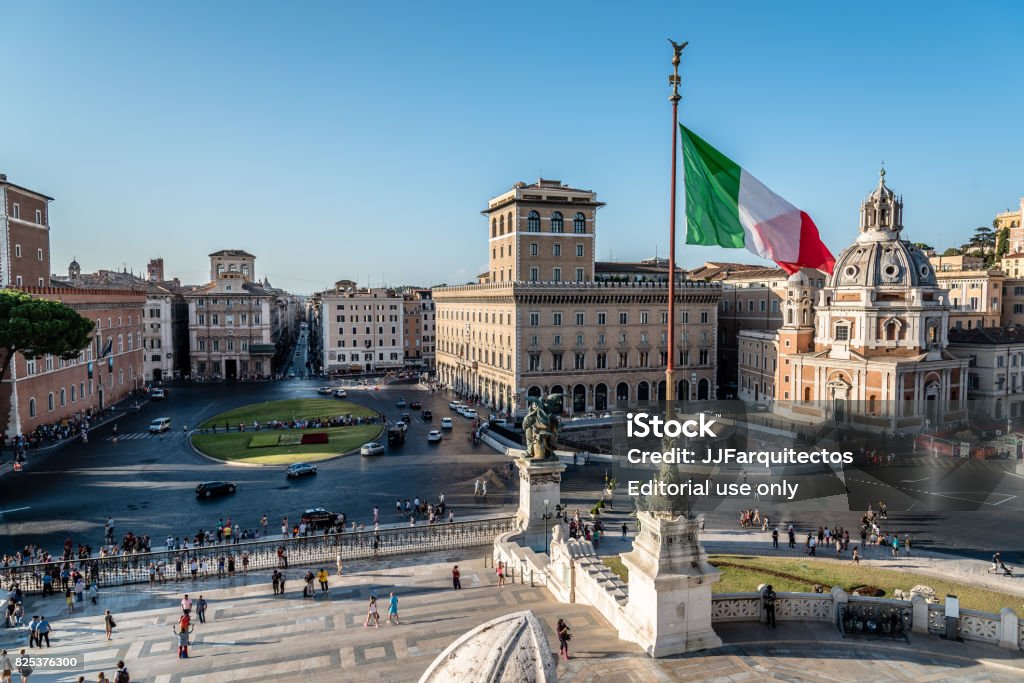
[1013, 334]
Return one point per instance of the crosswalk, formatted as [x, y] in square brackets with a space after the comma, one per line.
[132, 436]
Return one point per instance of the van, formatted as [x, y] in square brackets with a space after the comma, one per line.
[160, 425]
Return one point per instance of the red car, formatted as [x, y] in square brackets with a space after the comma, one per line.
[415, 405]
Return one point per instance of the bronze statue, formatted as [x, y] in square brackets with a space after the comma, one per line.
[542, 424]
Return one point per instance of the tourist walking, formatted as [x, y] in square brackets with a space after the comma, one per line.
[24, 668]
[768, 596]
[121, 675]
[6, 667]
[201, 609]
[625, 529]
[393, 609]
[109, 624]
[564, 636]
[275, 579]
[322, 576]
[456, 574]
[371, 613]
[856, 556]
[501, 573]
[186, 605]
[775, 538]
[340, 564]
[42, 632]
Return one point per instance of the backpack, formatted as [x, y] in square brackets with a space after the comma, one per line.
[122, 676]
[769, 599]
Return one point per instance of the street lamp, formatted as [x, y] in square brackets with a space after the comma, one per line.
[546, 516]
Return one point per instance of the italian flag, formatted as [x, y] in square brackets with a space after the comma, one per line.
[728, 207]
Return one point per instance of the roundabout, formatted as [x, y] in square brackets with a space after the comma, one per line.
[287, 431]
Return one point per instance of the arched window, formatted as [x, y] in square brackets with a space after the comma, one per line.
[579, 224]
[494, 227]
[501, 226]
[74, 395]
[49, 401]
[557, 223]
[807, 394]
[533, 222]
[871, 404]
[32, 407]
[63, 397]
[789, 316]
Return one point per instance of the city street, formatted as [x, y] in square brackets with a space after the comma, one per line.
[146, 482]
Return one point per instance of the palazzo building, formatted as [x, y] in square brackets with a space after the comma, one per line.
[547, 318]
[873, 352]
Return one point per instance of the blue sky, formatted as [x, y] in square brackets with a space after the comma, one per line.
[361, 140]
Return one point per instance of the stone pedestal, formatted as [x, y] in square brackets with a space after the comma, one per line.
[669, 608]
[539, 480]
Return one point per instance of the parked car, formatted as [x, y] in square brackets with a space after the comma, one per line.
[318, 518]
[372, 448]
[427, 416]
[340, 393]
[400, 403]
[208, 489]
[159, 425]
[446, 423]
[300, 469]
[454, 405]
[415, 405]
[469, 412]
[158, 394]
[434, 435]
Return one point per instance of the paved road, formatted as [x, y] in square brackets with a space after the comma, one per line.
[146, 483]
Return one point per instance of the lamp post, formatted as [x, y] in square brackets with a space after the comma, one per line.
[546, 516]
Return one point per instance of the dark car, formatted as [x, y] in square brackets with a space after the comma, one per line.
[208, 489]
[407, 418]
[415, 405]
[318, 518]
[396, 436]
[427, 415]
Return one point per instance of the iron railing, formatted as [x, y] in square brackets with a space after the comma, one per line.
[321, 549]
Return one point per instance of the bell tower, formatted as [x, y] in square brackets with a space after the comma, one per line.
[881, 214]
[796, 335]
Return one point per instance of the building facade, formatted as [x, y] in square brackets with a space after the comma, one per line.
[419, 335]
[230, 331]
[873, 352]
[24, 236]
[542, 322]
[361, 329]
[995, 375]
[49, 390]
[975, 296]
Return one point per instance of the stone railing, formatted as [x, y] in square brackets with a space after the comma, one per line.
[267, 554]
[1003, 629]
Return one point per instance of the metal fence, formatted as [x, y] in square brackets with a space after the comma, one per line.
[265, 554]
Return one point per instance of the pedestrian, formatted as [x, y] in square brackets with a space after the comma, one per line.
[775, 538]
[5, 667]
[323, 576]
[340, 564]
[792, 536]
[245, 563]
[42, 632]
[121, 675]
[476, 488]
[501, 573]
[906, 544]
[275, 579]
[393, 609]
[94, 592]
[69, 598]
[456, 583]
[282, 581]
[24, 668]
[109, 624]
[33, 636]
[376, 515]
[856, 556]
[624, 530]
[895, 545]
[201, 609]
[483, 488]
[371, 613]
[186, 605]
[182, 632]
[768, 597]
[564, 636]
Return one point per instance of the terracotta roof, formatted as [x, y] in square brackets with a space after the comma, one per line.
[987, 335]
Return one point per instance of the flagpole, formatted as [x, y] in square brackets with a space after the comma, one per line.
[670, 371]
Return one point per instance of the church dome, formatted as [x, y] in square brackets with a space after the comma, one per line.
[879, 257]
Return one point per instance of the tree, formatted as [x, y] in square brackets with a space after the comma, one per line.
[924, 247]
[39, 327]
[952, 251]
[1002, 243]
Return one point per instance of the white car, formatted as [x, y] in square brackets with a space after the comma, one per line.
[160, 425]
[158, 394]
[325, 390]
[372, 448]
[454, 405]
[401, 425]
[446, 423]
[434, 435]
[469, 412]
[340, 393]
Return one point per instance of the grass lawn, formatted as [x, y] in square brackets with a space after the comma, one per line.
[292, 409]
[743, 574]
[234, 446]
